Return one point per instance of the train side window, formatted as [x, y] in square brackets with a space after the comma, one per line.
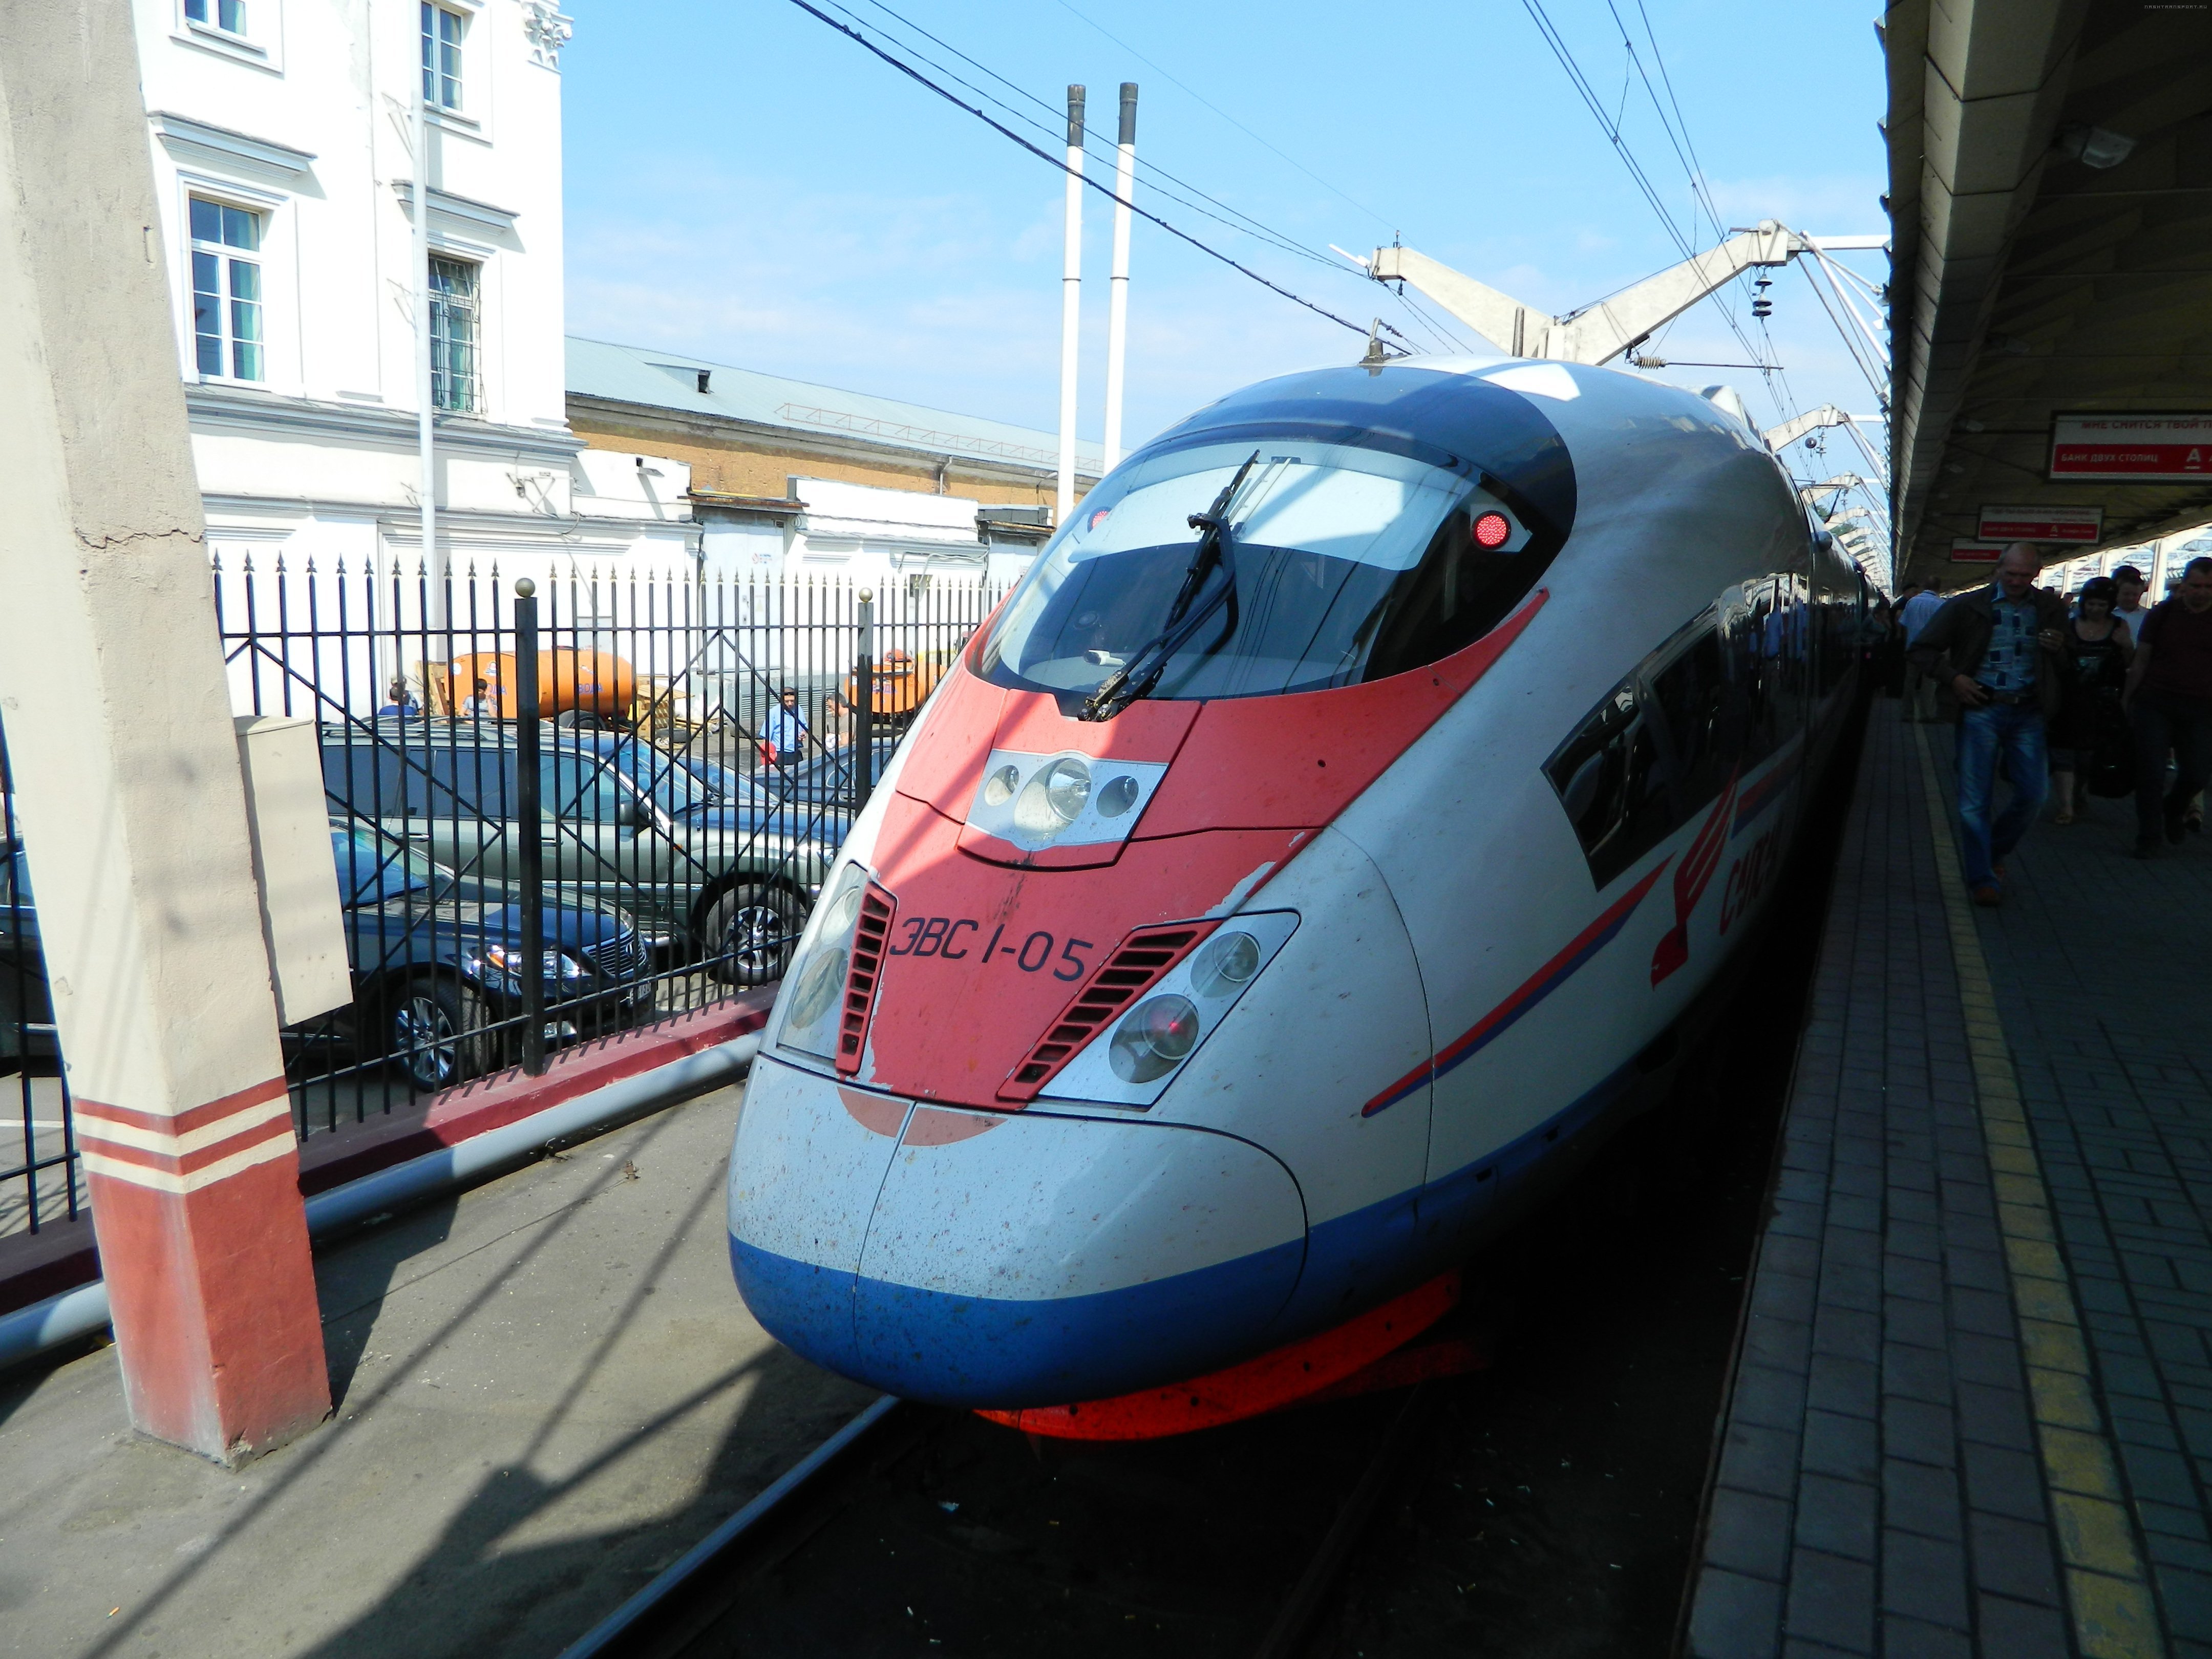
[1609, 779]
[1703, 715]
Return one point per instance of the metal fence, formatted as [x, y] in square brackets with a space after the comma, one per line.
[559, 809]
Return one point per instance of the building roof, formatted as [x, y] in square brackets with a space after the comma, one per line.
[670, 380]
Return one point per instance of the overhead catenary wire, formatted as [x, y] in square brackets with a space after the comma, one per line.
[1242, 223]
[1050, 159]
[1333, 189]
[1238, 220]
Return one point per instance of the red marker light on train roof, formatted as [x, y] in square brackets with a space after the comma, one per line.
[1493, 530]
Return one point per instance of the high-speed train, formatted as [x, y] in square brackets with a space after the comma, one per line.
[1321, 848]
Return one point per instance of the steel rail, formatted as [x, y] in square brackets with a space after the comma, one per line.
[654, 1619]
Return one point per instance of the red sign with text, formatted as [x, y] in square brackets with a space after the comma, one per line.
[2132, 448]
[2041, 524]
[1977, 552]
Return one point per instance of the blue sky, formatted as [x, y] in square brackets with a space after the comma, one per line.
[746, 185]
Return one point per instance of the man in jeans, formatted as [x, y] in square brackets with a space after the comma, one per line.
[1994, 655]
[2169, 702]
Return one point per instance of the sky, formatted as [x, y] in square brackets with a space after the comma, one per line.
[745, 184]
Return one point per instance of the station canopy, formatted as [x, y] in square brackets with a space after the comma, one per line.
[2050, 192]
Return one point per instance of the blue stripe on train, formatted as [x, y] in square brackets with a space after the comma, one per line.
[982, 1351]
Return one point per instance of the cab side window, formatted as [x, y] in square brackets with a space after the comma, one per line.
[1704, 721]
[1609, 779]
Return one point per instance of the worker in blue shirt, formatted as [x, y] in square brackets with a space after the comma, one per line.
[786, 734]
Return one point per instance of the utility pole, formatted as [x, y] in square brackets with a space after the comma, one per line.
[425, 423]
[1117, 316]
[1071, 305]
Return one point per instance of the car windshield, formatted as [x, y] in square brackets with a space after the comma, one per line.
[372, 869]
[661, 776]
[1351, 557]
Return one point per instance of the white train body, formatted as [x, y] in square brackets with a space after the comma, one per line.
[1434, 927]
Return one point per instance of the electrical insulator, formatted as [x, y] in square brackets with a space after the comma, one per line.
[1762, 308]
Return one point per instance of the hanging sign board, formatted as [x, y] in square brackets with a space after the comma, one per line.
[2041, 524]
[1967, 552]
[2132, 448]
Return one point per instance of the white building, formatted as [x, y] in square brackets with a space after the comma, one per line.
[281, 136]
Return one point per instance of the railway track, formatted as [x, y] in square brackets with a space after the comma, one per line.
[693, 1608]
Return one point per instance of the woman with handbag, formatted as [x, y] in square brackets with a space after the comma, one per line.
[2090, 721]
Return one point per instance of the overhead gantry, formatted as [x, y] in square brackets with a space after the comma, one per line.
[1597, 331]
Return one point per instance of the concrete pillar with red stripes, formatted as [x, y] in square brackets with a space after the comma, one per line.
[126, 771]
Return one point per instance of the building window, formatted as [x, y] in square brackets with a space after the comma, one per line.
[227, 330]
[229, 15]
[441, 56]
[455, 327]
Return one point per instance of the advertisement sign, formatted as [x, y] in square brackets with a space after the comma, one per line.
[1966, 552]
[2132, 448]
[2041, 524]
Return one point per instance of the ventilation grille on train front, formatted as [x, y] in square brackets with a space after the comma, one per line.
[1140, 963]
[869, 934]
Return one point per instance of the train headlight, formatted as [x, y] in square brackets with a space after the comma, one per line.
[809, 1010]
[1225, 964]
[1054, 799]
[1153, 1038]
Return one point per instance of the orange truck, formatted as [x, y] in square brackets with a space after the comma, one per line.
[901, 684]
[591, 682]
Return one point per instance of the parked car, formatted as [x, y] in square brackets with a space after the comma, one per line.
[825, 781]
[734, 886]
[438, 962]
[435, 961]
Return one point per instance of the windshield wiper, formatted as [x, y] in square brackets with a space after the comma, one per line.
[1137, 677]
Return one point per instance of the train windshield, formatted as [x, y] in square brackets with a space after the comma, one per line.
[1342, 561]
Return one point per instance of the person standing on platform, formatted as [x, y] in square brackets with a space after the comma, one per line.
[2169, 699]
[2098, 651]
[2129, 584]
[1918, 609]
[786, 732]
[1993, 653]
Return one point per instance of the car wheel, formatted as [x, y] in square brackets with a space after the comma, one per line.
[436, 1028]
[750, 933]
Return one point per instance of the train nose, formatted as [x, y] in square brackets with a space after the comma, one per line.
[1020, 1259]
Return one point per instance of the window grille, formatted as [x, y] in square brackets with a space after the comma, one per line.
[455, 380]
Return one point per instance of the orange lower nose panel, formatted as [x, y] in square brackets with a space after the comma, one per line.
[1284, 1378]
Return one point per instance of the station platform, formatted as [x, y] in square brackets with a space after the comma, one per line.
[549, 1389]
[1971, 1412]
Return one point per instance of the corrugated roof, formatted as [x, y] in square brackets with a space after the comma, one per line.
[669, 379]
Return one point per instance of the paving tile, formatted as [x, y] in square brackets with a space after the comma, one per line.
[2015, 1559]
[1837, 1516]
[1923, 1578]
[1847, 1448]
[1917, 1430]
[1920, 1498]
[1747, 1533]
[1734, 1617]
[1831, 1599]
[1848, 1384]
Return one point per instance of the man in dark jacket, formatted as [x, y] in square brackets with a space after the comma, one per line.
[1994, 654]
[2169, 699]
